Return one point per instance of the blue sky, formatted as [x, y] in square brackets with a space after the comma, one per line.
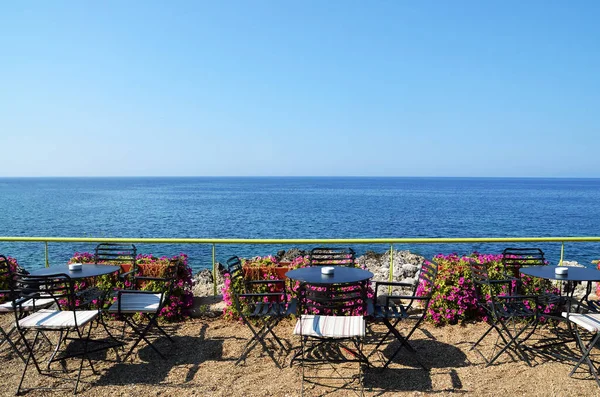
[388, 88]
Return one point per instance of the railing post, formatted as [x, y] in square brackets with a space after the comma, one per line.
[46, 254]
[562, 253]
[214, 271]
[391, 272]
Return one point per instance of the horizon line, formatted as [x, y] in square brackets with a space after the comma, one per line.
[293, 176]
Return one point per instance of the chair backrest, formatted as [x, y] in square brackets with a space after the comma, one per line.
[346, 299]
[59, 287]
[481, 280]
[116, 253]
[332, 257]
[515, 258]
[427, 276]
[234, 268]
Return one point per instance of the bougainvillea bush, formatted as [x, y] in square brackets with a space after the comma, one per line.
[178, 303]
[265, 268]
[454, 299]
[13, 265]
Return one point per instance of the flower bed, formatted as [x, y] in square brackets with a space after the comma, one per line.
[179, 302]
[13, 265]
[454, 299]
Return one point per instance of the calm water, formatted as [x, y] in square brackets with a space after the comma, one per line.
[295, 208]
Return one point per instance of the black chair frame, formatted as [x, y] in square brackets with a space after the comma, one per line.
[502, 310]
[392, 309]
[265, 314]
[336, 300]
[332, 257]
[118, 254]
[59, 287]
[142, 330]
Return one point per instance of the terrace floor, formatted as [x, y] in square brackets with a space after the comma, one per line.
[201, 363]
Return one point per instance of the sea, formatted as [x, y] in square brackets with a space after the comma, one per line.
[296, 207]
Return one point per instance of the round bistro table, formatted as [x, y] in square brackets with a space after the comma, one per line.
[574, 273]
[341, 275]
[87, 270]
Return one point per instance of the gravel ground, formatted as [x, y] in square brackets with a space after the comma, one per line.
[202, 363]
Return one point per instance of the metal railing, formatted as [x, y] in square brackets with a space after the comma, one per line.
[346, 241]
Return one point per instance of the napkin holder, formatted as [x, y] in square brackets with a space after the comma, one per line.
[561, 271]
[75, 266]
[327, 270]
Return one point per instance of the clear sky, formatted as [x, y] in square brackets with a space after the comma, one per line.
[388, 88]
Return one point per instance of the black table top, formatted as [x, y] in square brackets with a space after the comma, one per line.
[574, 273]
[341, 275]
[87, 270]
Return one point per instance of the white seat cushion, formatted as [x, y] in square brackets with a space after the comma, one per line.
[330, 326]
[55, 319]
[137, 303]
[28, 305]
[590, 321]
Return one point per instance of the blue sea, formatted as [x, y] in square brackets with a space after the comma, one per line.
[296, 207]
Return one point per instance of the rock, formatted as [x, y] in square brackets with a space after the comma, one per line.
[203, 282]
[290, 255]
[405, 268]
[572, 263]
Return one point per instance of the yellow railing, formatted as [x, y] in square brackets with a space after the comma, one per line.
[346, 241]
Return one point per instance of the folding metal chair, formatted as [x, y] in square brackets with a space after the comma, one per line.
[118, 254]
[515, 258]
[148, 305]
[590, 322]
[66, 319]
[265, 305]
[332, 257]
[504, 312]
[330, 329]
[7, 281]
[394, 310]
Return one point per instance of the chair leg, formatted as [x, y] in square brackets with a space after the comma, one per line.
[513, 341]
[162, 331]
[29, 358]
[142, 336]
[585, 350]
[61, 338]
[84, 355]
[403, 343]
[257, 338]
[388, 333]
[486, 333]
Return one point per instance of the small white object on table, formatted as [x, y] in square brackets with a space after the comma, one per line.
[561, 270]
[75, 266]
[328, 270]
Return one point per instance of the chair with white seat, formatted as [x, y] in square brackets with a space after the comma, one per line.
[590, 322]
[7, 274]
[332, 326]
[148, 304]
[66, 319]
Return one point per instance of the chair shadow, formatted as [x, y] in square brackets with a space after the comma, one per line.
[410, 376]
[187, 351]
